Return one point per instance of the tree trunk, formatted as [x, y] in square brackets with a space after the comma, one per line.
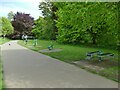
[94, 38]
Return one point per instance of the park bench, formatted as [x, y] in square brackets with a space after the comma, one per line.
[100, 56]
[90, 54]
[50, 47]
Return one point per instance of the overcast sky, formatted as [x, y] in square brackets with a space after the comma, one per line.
[24, 6]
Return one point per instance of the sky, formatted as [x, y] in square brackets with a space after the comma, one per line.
[24, 6]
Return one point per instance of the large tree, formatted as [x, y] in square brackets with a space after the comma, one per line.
[92, 22]
[48, 10]
[38, 30]
[6, 27]
[23, 23]
[0, 26]
[10, 15]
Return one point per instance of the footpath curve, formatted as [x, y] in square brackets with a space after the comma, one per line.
[24, 68]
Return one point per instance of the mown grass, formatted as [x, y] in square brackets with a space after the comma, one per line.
[3, 40]
[71, 53]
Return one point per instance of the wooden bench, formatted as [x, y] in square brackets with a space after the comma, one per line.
[100, 56]
[90, 54]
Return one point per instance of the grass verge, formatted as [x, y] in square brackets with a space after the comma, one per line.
[72, 53]
[3, 40]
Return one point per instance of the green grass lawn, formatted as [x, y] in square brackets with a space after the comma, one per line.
[2, 41]
[71, 53]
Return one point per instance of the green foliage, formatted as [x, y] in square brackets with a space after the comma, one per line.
[10, 15]
[43, 28]
[49, 30]
[4, 40]
[7, 27]
[79, 22]
[90, 22]
[0, 26]
[38, 28]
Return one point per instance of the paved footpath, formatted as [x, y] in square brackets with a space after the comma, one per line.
[24, 68]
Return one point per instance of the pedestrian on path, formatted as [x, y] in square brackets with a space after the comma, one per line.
[26, 39]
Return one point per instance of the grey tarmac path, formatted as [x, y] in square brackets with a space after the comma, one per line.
[24, 68]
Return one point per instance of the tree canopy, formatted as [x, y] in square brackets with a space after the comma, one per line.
[92, 23]
[5, 26]
[49, 30]
[10, 15]
[23, 23]
[38, 30]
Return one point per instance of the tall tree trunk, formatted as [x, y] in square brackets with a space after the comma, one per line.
[94, 41]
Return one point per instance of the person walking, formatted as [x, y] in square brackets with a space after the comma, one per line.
[26, 39]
